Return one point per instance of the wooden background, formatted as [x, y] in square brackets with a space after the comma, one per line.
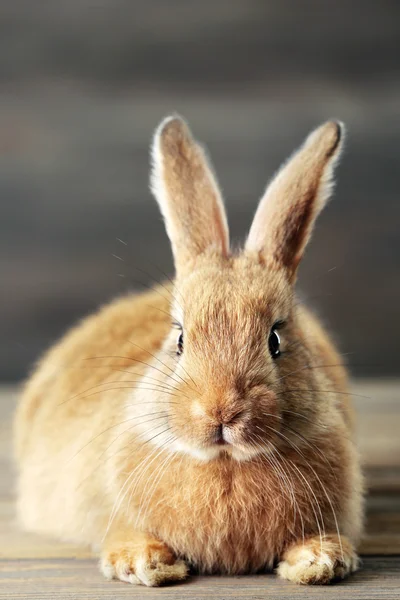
[84, 83]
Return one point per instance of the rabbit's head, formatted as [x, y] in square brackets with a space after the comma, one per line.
[236, 353]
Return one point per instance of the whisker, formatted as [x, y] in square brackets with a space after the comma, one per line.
[322, 487]
[324, 392]
[133, 360]
[154, 388]
[285, 477]
[121, 387]
[161, 471]
[154, 279]
[145, 379]
[164, 274]
[190, 377]
[295, 446]
[309, 367]
[292, 412]
[161, 416]
[119, 500]
[99, 435]
[316, 501]
[160, 361]
[169, 315]
[119, 369]
[313, 447]
[161, 284]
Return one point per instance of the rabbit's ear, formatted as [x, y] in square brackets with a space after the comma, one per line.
[285, 217]
[187, 193]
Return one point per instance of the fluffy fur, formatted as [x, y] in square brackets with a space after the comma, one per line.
[220, 458]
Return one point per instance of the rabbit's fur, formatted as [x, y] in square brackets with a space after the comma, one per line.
[219, 456]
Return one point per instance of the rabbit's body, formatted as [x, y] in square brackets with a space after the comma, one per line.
[115, 433]
[67, 396]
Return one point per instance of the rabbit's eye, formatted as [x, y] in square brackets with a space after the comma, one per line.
[274, 342]
[179, 344]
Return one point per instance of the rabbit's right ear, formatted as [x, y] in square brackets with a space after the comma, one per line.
[187, 193]
[286, 214]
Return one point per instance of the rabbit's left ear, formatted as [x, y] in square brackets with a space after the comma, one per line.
[187, 193]
[285, 217]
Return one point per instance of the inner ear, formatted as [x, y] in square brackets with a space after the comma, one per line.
[188, 195]
[295, 231]
[285, 217]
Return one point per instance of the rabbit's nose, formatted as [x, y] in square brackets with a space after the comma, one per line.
[229, 417]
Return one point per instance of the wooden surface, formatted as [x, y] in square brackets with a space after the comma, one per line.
[34, 567]
[79, 580]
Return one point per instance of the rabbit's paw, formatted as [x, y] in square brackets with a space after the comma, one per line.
[319, 561]
[153, 564]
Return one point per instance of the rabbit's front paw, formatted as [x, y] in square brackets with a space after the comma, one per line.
[153, 564]
[319, 561]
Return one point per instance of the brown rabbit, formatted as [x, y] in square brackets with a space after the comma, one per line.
[224, 441]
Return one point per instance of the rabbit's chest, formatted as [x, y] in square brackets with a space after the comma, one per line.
[230, 521]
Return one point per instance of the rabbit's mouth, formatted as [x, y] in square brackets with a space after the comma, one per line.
[222, 436]
[236, 438]
[221, 442]
[231, 444]
[215, 449]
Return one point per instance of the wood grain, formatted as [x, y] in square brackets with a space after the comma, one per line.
[79, 579]
[39, 568]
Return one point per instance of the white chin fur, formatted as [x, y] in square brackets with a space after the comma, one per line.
[213, 452]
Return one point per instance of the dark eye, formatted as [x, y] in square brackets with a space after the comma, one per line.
[274, 342]
[179, 344]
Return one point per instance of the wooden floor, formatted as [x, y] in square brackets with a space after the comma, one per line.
[33, 567]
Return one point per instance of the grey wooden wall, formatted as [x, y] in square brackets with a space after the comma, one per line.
[83, 84]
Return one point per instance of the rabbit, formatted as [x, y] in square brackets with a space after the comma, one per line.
[205, 424]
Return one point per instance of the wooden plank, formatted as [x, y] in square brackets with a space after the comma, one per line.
[377, 404]
[79, 579]
[382, 530]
